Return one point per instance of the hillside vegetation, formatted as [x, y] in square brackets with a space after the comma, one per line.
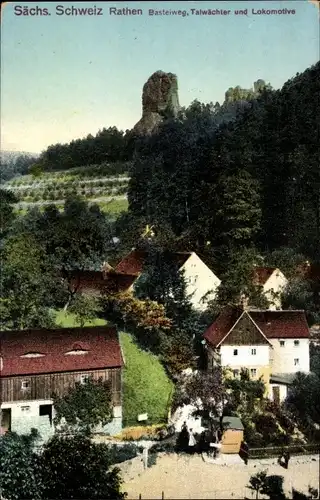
[147, 388]
[104, 184]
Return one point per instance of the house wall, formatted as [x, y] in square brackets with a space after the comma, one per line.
[282, 358]
[283, 391]
[202, 283]
[275, 284]
[25, 416]
[43, 386]
[244, 356]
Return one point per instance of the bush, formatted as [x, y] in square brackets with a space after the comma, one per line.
[152, 459]
[119, 454]
[77, 468]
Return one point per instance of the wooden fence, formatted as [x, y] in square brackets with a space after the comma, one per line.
[275, 451]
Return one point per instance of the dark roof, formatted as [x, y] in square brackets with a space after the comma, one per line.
[262, 274]
[133, 262]
[232, 423]
[282, 324]
[282, 378]
[102, 281]
[222, 325]
[101, 342]
[273, 324]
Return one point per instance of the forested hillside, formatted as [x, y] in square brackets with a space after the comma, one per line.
[251, 181]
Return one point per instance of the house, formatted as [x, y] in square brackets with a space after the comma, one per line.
[35, 364]
[273, 283]
[98, 282]
[201, 282]
[271, 344]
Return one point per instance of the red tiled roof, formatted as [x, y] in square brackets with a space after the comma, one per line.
[101, 342]
[262, 274]
[222, 325]
[274, 324]
[281, 324]
[133, 263]
[99, 281]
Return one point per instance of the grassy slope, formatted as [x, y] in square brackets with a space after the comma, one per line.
[147, 389]
[66, 320]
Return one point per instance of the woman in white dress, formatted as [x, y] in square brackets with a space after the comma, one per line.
[192, 441]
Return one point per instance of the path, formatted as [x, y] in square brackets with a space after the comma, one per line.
[184, 477]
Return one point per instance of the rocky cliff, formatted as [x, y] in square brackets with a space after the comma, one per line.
[159, 101]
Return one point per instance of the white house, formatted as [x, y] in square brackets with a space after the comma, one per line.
[36, 364]
[202, 283]
[271, 344]
[273, 283]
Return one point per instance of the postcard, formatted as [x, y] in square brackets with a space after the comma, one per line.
[160, 249]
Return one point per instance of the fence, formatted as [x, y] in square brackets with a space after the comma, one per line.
[275, 451]
[238, 493]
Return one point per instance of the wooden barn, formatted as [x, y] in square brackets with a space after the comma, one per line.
[35, 364]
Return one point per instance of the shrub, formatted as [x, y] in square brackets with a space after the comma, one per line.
[152, 459]
[119, 454]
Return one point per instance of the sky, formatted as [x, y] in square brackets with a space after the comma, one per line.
[64, 77]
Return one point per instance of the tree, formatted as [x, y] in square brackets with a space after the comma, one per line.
[238, 213]
[287, 260]
[304, 398]
[315, 359]
[75, 239]
[20, 477]
[298, 294]
[272, 486]
[237, 282]
[75, 467]
[244, 392]
[163, 282]
[204, 390]
[86, 405]
[85, 308]
[29, 287]
[257, 482]
[7, 201]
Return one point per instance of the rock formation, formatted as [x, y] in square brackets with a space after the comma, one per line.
[159, 101]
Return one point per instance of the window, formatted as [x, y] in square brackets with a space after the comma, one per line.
[83, 379]
[253, 352]
[25, 384]
[296, 362]
[282, 342]
[253, 372]
[235, 352]
[46, 410]
[296, 343]
[25, 409]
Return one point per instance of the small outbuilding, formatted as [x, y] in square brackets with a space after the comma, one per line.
[232, 435]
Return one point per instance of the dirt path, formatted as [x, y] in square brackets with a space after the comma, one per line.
[190, 477]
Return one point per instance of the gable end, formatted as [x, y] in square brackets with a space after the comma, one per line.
[245, 332]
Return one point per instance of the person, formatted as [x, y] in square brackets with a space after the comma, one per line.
[244, 452]
[183, 438]
[192, 441]
[286, 457]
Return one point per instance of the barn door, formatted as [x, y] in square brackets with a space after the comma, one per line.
[276, 394]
